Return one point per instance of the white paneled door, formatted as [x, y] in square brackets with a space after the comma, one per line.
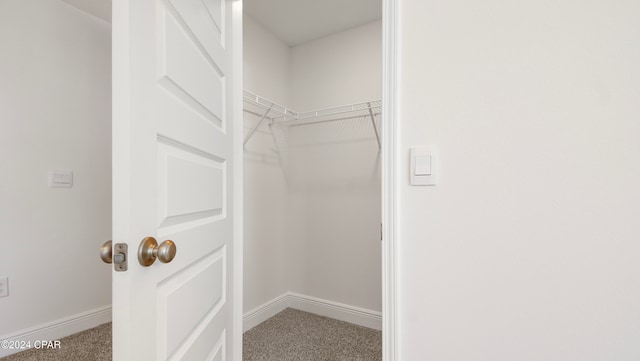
[174, 116]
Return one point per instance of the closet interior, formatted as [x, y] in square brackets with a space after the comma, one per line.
[312, 199]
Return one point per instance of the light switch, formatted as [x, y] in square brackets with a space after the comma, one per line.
[60, 179]
[422, 166]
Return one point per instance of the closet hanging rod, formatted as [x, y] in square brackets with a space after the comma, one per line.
[274, 112]
[352, 111]
[364, 106]
[288, 116]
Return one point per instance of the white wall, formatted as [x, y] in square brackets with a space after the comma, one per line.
[528, 247]
[339, 69]
[267, 62]
[55, 107]
[334, 172]
[266, 72]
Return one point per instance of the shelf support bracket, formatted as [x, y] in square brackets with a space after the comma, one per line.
[258, 125]
[373, 123]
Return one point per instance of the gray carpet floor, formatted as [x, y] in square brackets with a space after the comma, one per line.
[291, 335]
[90, 345]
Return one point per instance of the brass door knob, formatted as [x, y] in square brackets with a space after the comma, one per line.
[149, 251]
[106, 252]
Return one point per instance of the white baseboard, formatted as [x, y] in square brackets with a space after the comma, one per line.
[264, 312]
[58, 329]
[339, 311]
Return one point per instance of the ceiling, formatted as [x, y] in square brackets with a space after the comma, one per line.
[299, 21]
[99, 8]
[292, 21]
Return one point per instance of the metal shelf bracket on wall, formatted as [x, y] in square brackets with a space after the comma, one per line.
[257, 126]
[373, 123]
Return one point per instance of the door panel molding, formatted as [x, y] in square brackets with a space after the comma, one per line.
[192, 281]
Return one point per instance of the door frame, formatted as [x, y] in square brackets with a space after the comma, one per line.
[390, 17]
[390, 176]
[238, 179]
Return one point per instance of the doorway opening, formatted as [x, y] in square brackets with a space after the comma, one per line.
[312, 163]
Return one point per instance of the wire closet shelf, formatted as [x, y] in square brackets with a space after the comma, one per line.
[274, 112]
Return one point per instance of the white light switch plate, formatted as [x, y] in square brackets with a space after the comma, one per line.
[423, 166]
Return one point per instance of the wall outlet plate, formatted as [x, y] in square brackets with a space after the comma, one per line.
[60, 179]
[4, 286]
